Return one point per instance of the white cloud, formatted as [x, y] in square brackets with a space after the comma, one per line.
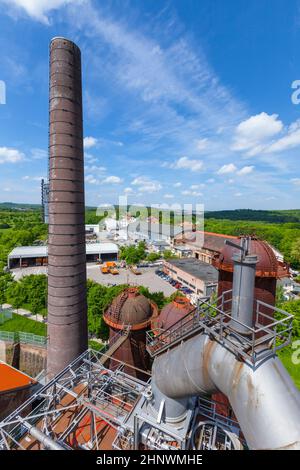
[10, 155]
[185, 163]
[168, 196]
[39, 154]
[91, 179]
[128, 190]
[252, 134]
[188, 192]
[89, 142]
[99, 169]
[238, 194]
[295, 181]
[112, 180]
[245, 170]
[38, 9]
[201, 144]
[289, 141]
[33, 178]
[228, 168]
[177, 185]
[146, 185]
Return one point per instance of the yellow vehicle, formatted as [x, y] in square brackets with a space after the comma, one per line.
[109, 267]
[113, 271]
[135, 270]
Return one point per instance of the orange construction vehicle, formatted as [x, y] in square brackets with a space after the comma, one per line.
[109, 267]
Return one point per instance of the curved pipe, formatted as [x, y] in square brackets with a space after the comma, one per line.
[265, 401]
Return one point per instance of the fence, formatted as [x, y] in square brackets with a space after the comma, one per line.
[24, 338]
[5, 315]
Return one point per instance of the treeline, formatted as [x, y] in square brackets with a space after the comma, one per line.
[30, 293]
[283, 216]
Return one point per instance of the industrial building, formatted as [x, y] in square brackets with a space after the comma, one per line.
[24, 256]
[209, 246]
[97, 400]
[200, 277]
[15, 388]
[152, 232]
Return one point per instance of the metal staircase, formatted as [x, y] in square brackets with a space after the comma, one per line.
[114, 310]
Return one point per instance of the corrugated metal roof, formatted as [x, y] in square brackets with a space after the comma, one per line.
[156, 229]
[42, 251]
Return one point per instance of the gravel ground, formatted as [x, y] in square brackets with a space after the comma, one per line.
[148, 278]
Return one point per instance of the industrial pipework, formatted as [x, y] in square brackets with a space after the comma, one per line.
[262, 395]
[67, 311]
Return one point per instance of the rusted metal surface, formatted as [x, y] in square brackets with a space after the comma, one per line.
[67, 311]
[133, 310]
[268, 269]
[201, 366]
[172, 313]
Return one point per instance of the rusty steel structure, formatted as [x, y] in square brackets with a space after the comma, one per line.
[268, 270]
[67, 310]
[171, 313]
[131, 313]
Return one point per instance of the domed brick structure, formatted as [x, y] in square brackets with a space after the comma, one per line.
[134, 311]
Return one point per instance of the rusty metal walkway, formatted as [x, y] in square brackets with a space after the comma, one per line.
[269, 333]
[184, 329]
[116, 342]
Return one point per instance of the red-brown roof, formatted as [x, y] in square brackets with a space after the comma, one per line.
[11, 378]
[211, 241]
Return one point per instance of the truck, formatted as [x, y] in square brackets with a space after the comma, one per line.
[135, 270]
[109, 267]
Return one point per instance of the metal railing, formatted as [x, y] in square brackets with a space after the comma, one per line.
[8, 336]
[23, 338]
[30, 338]
[269, 333]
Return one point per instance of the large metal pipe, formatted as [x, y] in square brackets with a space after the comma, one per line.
[265, 400]
[243, 292]
[45, 440]
[67, 311]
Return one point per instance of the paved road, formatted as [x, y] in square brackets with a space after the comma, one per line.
[26, 313]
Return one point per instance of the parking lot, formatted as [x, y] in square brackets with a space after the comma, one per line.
[148, 278]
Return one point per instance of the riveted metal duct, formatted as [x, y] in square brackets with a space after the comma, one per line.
[67, 311]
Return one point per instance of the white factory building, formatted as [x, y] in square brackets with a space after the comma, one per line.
[24, 256]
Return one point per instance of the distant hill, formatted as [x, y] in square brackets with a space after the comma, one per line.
[17, 206]
[274, 216]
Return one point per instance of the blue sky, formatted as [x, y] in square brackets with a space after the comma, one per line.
[184, 101]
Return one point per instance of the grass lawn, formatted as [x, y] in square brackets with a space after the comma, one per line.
[95, 345]
[293, 369]
[20, 323]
